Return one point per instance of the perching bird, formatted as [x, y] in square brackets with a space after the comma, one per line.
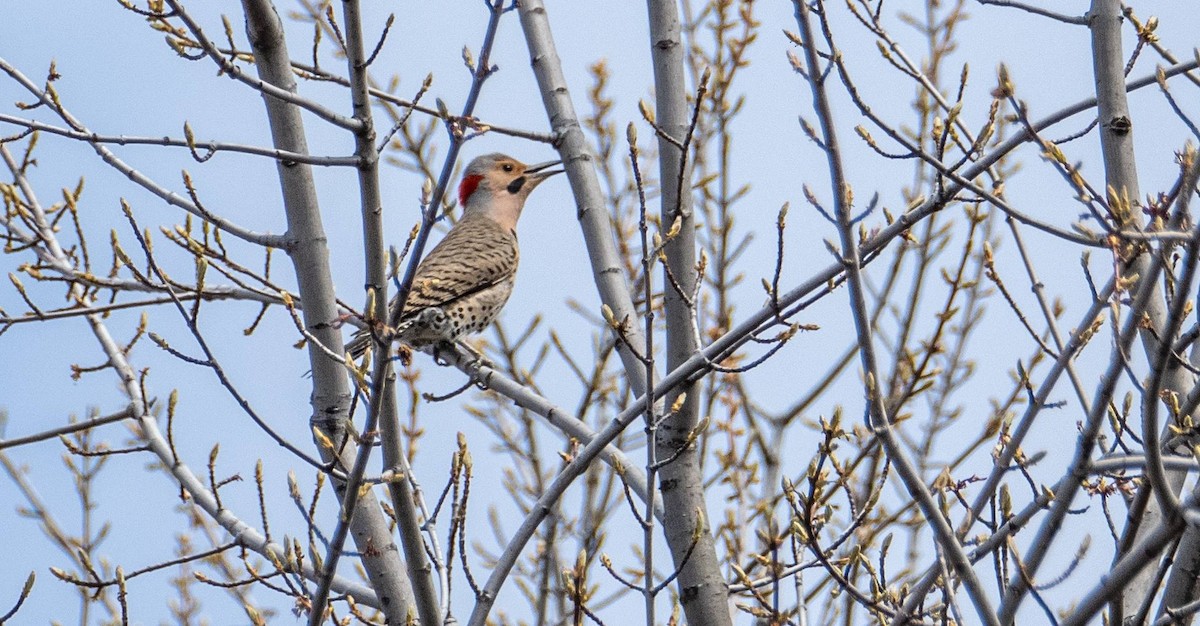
[462, 283]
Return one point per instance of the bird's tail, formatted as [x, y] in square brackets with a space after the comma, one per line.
[358, 344]
[362, 339]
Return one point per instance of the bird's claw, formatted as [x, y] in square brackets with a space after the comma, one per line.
[480, 361]
[440, 349]
[483, 383]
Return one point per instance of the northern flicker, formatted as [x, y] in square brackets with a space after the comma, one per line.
[460, 286]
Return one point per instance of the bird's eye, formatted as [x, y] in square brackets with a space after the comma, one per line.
[508, 167]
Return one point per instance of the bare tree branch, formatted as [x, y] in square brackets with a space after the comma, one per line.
[689, 535]
[331, 395]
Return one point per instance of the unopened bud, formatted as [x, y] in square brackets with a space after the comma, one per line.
[644, 108]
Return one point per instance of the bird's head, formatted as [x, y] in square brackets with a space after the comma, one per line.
[496, 185]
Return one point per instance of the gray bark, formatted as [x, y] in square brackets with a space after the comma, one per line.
[578, 162]
[1116, 140]
[419, 568]
[702, 589]
[310, 257]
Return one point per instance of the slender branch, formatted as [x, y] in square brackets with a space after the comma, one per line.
[1162, 357]
[266, 240]
[880, 421]
[1130, 565]
[65, 430]
[266, 87]
[1077, 20]
[1086, 330]
[560, 418]
[212, 147]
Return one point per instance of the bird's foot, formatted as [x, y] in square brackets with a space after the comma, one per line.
[480, 361]
[444, 353]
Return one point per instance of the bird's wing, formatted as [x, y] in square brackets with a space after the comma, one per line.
[476, 254]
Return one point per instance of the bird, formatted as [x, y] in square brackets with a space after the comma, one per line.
[461, 285]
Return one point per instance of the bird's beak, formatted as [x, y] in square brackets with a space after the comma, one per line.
[539, 172]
